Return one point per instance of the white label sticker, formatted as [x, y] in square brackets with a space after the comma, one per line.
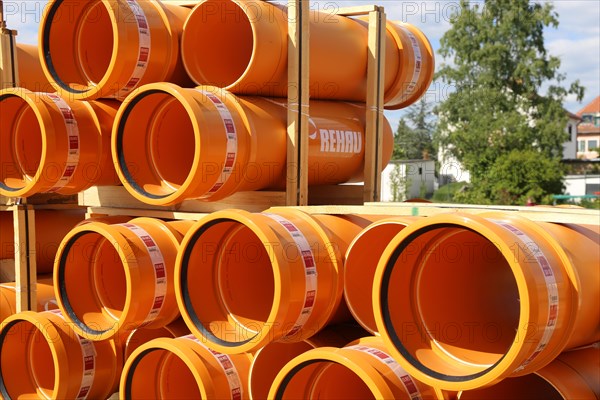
[407, 381]
[232, 142]
[418, 57]
[231, 373]
[552, 288]
[143, 50]
[159, 268]
[72, 140]
[310, 271]
[88, 352]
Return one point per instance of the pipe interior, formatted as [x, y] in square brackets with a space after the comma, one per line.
[95, 282]
[326, 380]
[20, 142]
[41, 365]
[464, 302]
[7, 242]
[95, 42]
[528, 387]
[81, 52]
[233, 278]
[158, 144]
[359, 271]
[161, 374]
[26, 362]
[223, 42]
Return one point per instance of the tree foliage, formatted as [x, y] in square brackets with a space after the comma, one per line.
[413, 138]
[497, 115]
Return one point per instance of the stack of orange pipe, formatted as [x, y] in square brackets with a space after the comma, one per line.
[465, 306]
[256, 291]
[128, 49]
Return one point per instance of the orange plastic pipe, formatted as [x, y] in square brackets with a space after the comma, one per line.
[31, 74]
[184, 368]
[141, 336]
[573, 375]
[207, 143]
[112, 279]
[269, 360]
[362, 258]
[242, 45]
[51, 226]
[52, 144]
[245, 280]
[464, 301]
[101, 48]
[44, 294]
[363, 370]
[42, 358]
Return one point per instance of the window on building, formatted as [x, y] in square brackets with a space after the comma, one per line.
[592, 144]
[587, 118]
[592, 188]
[581, 146]
[597, 121]
[570, 130]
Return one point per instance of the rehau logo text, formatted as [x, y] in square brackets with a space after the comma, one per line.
[335, 141]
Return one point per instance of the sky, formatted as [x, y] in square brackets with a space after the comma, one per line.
[576, 40]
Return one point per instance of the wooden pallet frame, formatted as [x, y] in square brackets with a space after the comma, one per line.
[540, 214]
[24, 264]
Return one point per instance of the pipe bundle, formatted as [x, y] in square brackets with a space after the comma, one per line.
[264, 297]
[201, 142]
[263, 305]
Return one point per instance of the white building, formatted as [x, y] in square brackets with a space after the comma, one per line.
[580, 185]
[451, 170]
[410, 179]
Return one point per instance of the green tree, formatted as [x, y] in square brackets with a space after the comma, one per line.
[497, 116]
[413, 138]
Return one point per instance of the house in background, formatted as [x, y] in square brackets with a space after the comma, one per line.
[408, 179]
[588, 137]
[572, 128]
[451, 170]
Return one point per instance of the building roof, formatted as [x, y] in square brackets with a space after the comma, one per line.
[591, 108]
